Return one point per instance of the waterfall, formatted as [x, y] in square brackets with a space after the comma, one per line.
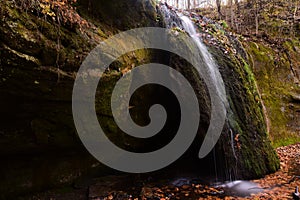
[170, 17]
[213, 69]
[171, 20]
[216, 78]
[174, 18]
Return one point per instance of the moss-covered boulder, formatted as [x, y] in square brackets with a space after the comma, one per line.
[244, 149]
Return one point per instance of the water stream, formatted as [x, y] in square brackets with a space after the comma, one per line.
[215, 76]
[207, 57]
[213, 70]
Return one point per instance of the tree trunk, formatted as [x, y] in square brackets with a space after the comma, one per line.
[218, 2]
[237, 5]
[256, 17]
[231, 13]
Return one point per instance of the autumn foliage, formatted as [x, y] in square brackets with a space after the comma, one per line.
[62, 12]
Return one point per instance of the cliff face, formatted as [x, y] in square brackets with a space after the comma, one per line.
[276, 68]
[38, 61]
[274, 56]
[42, 47]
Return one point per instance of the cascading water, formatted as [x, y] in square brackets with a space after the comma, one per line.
[230, 158]
[216, 78]
[242, 188]
[207, 57]
[171, 18]
[212, 68]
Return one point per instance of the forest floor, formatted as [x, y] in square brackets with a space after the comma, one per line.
[279, 185]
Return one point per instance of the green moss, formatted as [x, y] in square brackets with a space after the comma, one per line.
[271, 72]
[260, 52]
[247, 122]
[101, 33]
[224, 24]
[286, 139]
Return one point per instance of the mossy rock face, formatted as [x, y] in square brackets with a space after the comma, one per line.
[36, 81]
[30, 82]
[249, 151]
[244, 148]
[38, 63]
[277, 74]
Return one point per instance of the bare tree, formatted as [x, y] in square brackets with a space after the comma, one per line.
[189, 4]
[256, 9]
[231, 12]
[218, 3]
[237, 4]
